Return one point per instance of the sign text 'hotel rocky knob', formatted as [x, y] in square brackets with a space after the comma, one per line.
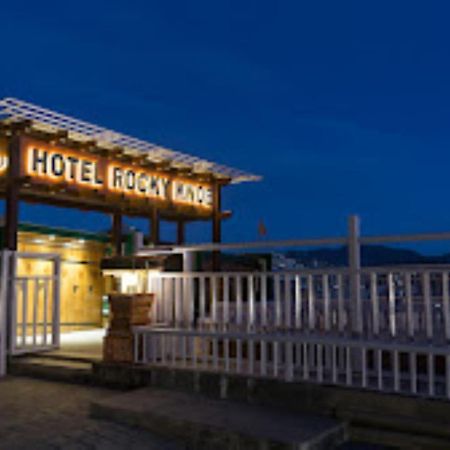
[88, 171]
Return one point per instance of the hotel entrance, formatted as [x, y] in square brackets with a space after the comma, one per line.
[49, 158]
[83, 288]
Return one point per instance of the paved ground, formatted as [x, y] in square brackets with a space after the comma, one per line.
[217, 424]
[84, 344]
[39, 415]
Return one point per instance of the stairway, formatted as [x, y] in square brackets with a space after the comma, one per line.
[51, 367]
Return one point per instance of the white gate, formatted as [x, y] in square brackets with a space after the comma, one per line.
[29, 304]
[33, 303]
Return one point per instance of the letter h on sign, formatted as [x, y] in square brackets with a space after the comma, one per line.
[39, 161]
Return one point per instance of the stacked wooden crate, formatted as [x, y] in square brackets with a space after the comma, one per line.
[127, 311]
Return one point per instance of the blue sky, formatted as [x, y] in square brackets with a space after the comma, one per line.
[342, 107]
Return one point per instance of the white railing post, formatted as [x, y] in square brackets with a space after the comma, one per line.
[3, 310]
[188, 288]
[354, 262]
[11, 301]
[56, 301]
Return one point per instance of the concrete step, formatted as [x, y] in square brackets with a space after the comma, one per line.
[203, 423]
[61, 355]
[70, 371]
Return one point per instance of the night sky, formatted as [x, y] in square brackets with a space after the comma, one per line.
[342, 107]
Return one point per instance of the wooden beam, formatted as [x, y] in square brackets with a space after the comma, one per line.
[117, 233]
[155, 227]
[12, 194]
[181, 232]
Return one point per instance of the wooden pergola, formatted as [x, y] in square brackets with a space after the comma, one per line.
[47, 157]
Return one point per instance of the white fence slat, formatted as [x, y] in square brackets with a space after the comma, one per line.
[251, 356]
[238, 356]
[287, 301]
[348, 366]
[205, 353]
[326, 301]
[413, 372]
[447, 376]
[238, 288]
[56, 302]
[264, 300]
[226, 354]
[263, 359]
[289, 363]
[226, 301]
[251, 302]
[35, 310]
[409, 305]
[334, 366]
[431, 374]
[277, 288]
[193, 352]
[154, 348]
[11, 277]
[162, 301]
[305, 362]
[163, 348]
[190, 297]
[379, 366]
[202, 287]
[178, 302]
[319, 363]
[298, 302]
[215, 353]
[391, 305]
[144, 348]
[4, 269]
[364, 367]
[427, 304]
[375, 304]
[341, 307]
[173, 349]
[24, 297]
[396, 370]
[183, 352]
[275, 358]
[311, 305]
[446, 304]
[45, 318]
[214, 317]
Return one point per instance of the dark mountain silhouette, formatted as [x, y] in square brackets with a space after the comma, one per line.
[371, 255]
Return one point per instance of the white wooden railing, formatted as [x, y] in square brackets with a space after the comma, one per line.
[397, 303]
[383, 328]
[376, 365]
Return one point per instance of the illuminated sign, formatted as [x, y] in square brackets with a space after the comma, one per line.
[3, 156]
[48, 164]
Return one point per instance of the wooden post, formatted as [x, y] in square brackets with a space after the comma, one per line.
[216, 225]
[181, 232]
[354, 262]
[12, 194]
[154, 227]
[117, 233]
